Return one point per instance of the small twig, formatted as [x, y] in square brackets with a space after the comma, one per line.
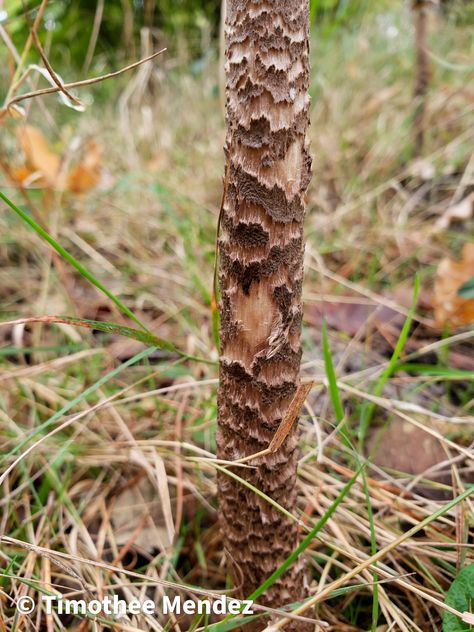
[75, 84]
[286, 424]
[291, 416]
[50, 69]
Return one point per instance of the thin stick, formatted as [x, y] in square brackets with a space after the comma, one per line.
[286, 424]
[50, 69]
[76, 84]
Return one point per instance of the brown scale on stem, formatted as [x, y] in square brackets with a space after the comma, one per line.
[261, 271]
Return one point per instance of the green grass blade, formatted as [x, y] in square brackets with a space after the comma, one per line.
[146, 337]
[72, 260]
[114, 328]
[369, 407]
[334, 392]
[331, 376]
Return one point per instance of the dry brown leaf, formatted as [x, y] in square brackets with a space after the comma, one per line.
[86, 174]
[38, 155]
[25, 177]
[138, 515]
[452, 310]
[351, 317]
[409, 450]
[42, 165]
[458, 212]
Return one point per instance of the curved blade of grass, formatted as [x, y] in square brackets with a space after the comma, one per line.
[257, 491]
[369, 407]
[146, 337]
[331, 375]
[72, 260]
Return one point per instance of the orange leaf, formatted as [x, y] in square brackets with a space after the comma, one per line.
[39, 157]
[450, 309]
[86, 174]
[24, 176]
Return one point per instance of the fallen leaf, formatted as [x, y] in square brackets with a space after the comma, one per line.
[42, 165]
[38, 155]
[86, 174]
[351, 317]
[138, 515]
[452, 310]
[460, 597]
[458, 212]
[410, 450]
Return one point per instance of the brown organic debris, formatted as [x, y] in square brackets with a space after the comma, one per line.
[452, 310]
[291, 416]
[409, 450]
[42, 165]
